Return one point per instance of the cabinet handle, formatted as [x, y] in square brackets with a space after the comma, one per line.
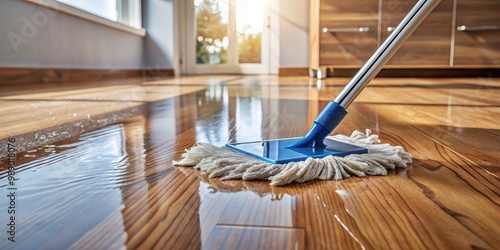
[391, 29]
[477, 28]
[338, 30]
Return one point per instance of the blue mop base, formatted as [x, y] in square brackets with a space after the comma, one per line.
[276, 151]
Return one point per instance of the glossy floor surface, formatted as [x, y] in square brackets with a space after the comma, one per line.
[93, 165]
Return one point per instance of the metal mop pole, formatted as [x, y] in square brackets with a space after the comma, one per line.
[335, 111]
[371, 68]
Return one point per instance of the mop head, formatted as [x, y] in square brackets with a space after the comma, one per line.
[228, 164]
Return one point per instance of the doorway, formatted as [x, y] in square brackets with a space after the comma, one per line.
[227, 37]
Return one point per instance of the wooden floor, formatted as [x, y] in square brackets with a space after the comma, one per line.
[93, 166]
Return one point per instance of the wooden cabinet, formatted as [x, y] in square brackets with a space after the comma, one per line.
[477, 38]
[349, 31]
[430, 44]
[345, 33]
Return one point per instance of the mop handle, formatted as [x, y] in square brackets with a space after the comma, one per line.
[335, 111]
[371, 68]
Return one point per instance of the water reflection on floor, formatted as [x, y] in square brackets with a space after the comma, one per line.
[100, 177]
[63, 195]
[115, 186]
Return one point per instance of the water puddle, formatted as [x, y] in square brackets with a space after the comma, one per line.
[74, 188]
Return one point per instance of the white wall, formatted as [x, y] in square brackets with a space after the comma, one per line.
[62, 40]
[65, 41]
[158, 20]
[294, 33]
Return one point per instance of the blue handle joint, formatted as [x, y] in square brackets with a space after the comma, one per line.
[325, 123]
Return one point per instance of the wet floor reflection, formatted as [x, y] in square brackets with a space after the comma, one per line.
[213, 115]
[236, 115]
[63, 195]
[228, 207]
[250, 205]
[115, 186]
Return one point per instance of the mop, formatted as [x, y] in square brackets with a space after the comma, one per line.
[316, 155]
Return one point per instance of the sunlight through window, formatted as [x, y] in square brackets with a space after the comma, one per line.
[127, 12]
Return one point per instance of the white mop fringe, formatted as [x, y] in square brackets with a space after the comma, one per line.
[228, 164]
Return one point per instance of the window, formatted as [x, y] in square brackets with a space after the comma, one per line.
[127, 12]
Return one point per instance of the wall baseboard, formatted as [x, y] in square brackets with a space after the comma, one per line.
[51, 75]
[157, 73]
[398, 71]
[424, 72]
[293, 72]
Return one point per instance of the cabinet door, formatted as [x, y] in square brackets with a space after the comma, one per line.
[477, 39]
[349, 31]
[430, 44]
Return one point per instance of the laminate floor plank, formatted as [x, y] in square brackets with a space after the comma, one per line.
[108, 182]
[32, 88]
[444, 188]
[38, 123]
[406, 225]
[227, 237]
[469, 131]
[293, 81]
[409, 95]
[196, 80]
[114, 93]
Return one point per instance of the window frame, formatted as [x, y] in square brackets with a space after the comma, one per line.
[74, 11]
